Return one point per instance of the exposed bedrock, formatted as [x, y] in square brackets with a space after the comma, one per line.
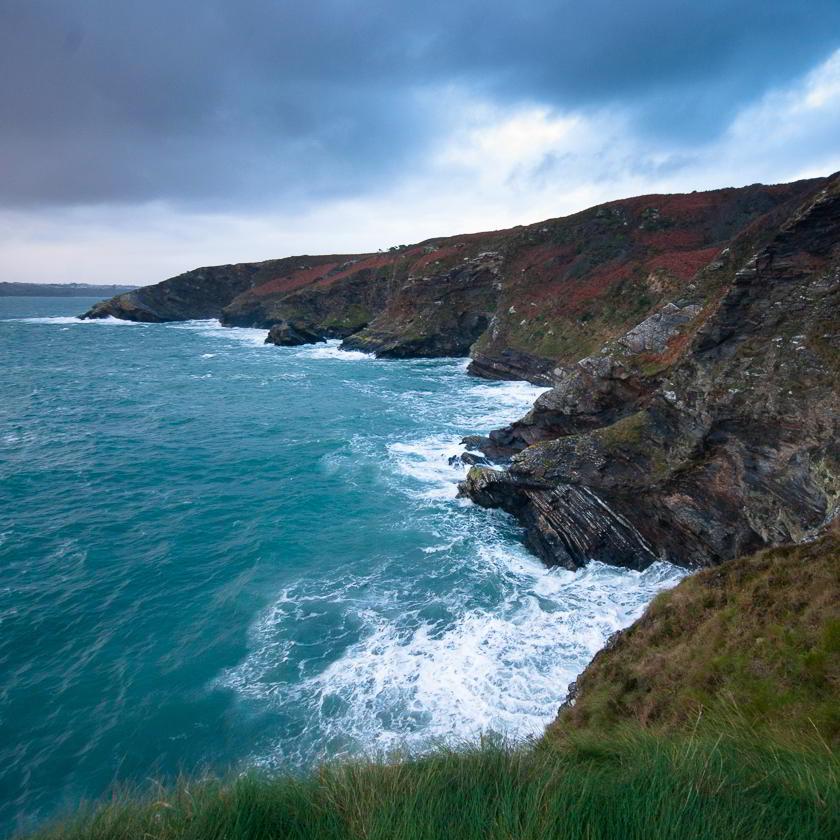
[730, 447]
[435, 315]
[566, 525]
[595, 392]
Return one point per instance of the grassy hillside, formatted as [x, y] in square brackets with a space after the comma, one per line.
[757, 638]
[712, 717]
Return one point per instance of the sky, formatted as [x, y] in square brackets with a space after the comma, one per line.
[141, 139]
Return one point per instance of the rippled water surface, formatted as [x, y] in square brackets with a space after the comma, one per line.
[214, 552]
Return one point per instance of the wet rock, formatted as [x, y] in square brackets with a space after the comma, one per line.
[471, 459]
[566, 525]
[285, 334]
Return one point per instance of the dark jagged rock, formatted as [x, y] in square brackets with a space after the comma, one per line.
[566, 525]
[593, 393]
[471, 459]
[285, 334]
[507, 364]
[731, 445]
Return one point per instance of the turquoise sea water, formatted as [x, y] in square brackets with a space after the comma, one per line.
[215, 553]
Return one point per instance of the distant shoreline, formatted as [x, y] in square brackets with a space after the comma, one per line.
[61, 290]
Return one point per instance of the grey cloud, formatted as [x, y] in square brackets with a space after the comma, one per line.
[209, 102]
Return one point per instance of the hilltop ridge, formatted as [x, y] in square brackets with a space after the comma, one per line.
[519, 301]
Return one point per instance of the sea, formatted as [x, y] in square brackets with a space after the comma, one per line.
[217, 554]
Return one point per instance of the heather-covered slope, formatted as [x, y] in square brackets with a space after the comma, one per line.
[706, 432]
[520, 301]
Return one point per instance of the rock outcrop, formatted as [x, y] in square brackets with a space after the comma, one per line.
[704, 439]
[285, 334]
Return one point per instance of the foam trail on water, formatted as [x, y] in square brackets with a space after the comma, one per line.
[212, 328]
[70, 319]
[330, 350]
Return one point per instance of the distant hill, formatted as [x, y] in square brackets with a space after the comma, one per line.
[61, 290]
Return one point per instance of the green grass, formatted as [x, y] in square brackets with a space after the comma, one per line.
[760, 634]
[633, 784]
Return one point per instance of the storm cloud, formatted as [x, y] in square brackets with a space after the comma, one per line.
[213, 105]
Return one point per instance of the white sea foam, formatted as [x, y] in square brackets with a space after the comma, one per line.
[212, 328]
[427, 462]
[503, 668]
[330, 350]
[483, 407]
[110, 321]
[493, 404]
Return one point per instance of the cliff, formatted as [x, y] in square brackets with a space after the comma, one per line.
[519, 301]
[691, 342]
[707, 431]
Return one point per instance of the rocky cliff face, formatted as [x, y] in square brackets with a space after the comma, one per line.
[520, 301]
[707, 431]
[201, 293]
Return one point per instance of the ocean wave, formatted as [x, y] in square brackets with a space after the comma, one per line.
[426, 461]
[212, 328]
[409, 683]
[331, 350]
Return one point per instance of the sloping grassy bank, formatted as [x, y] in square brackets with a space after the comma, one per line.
[631, 785]
[759, 634]
[714, 716]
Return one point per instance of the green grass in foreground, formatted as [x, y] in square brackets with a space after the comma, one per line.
[633, 784]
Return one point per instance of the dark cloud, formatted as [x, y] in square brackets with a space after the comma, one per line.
[205, 101]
